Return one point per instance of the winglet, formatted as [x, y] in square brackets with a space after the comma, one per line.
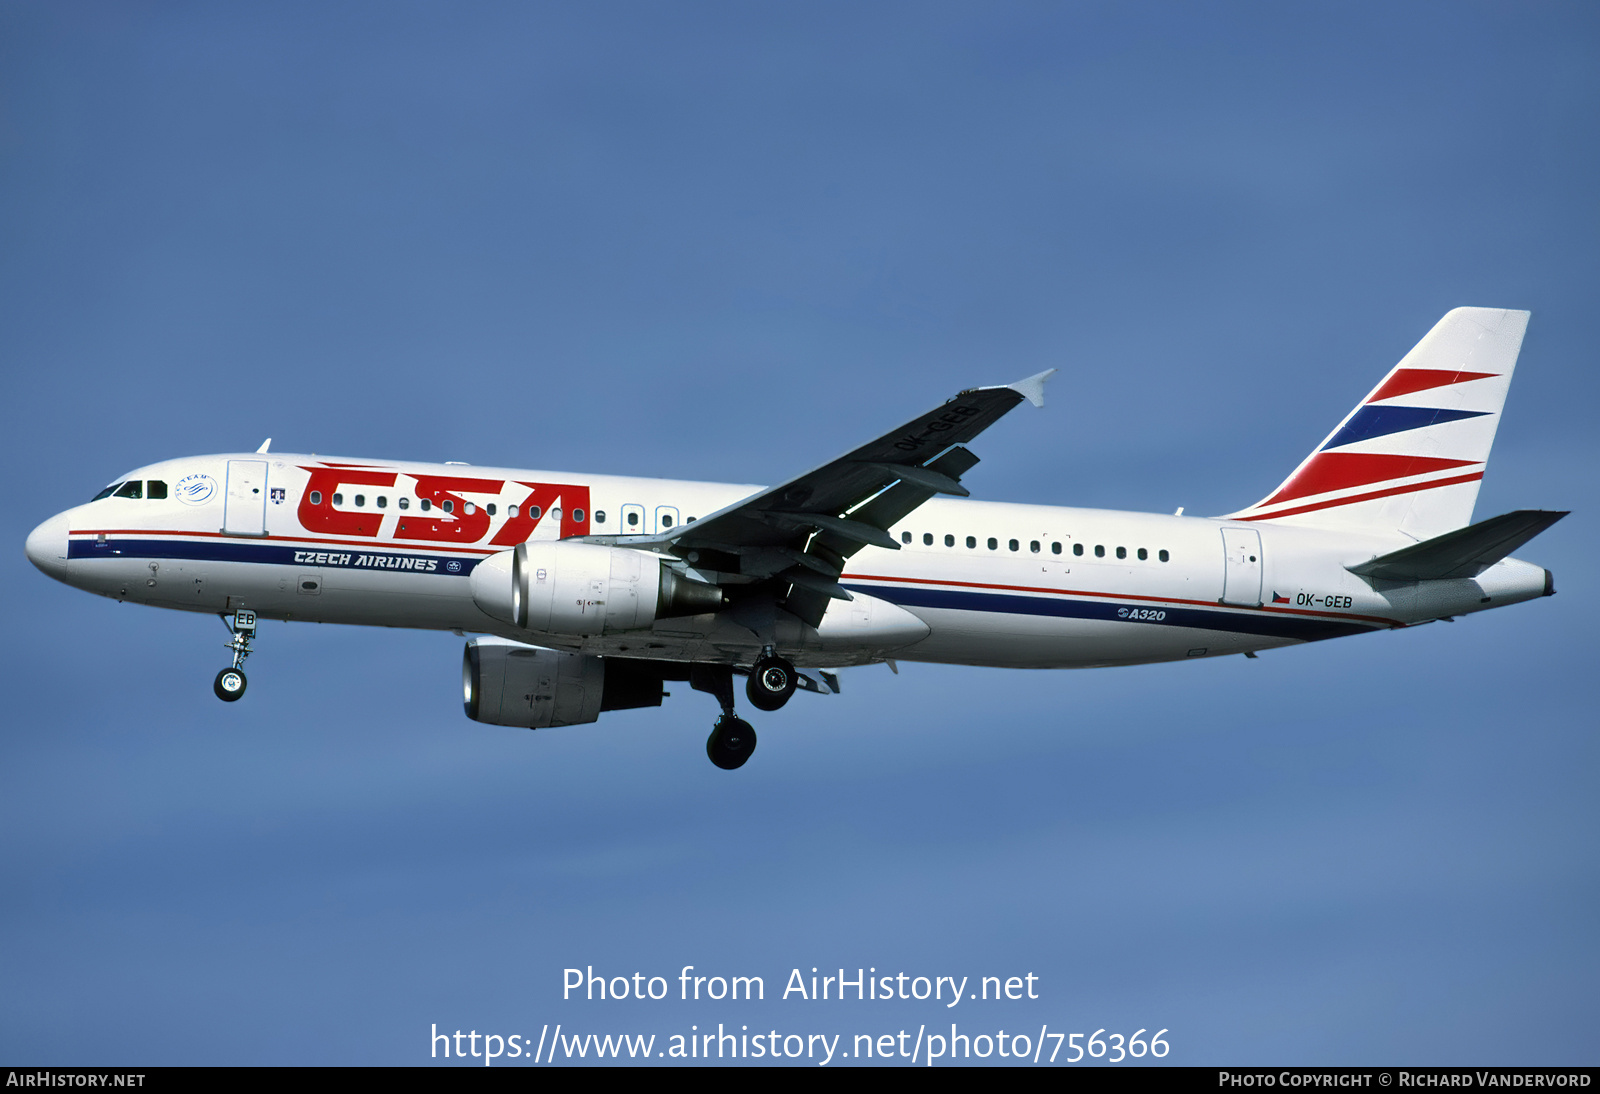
[266, 444]
[1032, 388]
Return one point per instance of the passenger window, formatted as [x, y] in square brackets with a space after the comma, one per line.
[133, 488]
[949, 541]
[404, 503]
[1163, 556]
[383, 502]
[422, 503]
[600, 516]
[361, 499]
[1055, 548]
[633, 520]
[338, 499]
[489, 509]
[972, 542]
[1122, 552]
[927, 539]
[1077, 548]
[689, 520]
[1099, 551]
[1144, 556]
[155, 490]
[1013, 545]
[107, 492]
[316, 497]
[511, 510]
[468, 508]
[905, 537]
[994, 544]
[1033, 546]
[448, 507]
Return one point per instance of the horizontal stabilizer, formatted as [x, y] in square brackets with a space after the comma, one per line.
[1466, 552]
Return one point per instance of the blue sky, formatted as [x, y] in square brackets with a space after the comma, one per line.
[727, 242]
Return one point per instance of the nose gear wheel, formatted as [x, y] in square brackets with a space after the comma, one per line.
[230, 682]
[229, 685]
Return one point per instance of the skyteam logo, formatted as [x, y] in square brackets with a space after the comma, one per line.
[195, 489]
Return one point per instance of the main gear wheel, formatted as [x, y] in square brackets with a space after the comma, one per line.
[731, 743]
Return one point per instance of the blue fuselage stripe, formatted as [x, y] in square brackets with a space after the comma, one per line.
[968, 600]
[222, 550]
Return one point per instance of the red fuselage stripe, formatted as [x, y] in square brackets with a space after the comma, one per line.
[385, 544]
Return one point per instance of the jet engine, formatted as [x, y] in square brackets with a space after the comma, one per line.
[585, 589]
[510, 684]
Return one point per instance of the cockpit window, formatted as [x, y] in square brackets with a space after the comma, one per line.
[107, 492]
[155, 489]
[133, 488]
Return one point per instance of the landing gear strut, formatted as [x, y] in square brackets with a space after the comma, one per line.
[772, 681]
[230, 682]
[732, 739]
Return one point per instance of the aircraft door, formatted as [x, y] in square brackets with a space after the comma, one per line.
[1241, 575]
[632, 523]
[666, 518]
[245, 508]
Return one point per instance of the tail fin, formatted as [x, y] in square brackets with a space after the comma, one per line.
[1410, 456]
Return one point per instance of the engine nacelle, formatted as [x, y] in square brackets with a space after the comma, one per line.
[509, 684]
[585, 589]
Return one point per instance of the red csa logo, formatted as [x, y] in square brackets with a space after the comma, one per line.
[452, 517]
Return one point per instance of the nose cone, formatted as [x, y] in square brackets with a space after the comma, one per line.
[47, 547]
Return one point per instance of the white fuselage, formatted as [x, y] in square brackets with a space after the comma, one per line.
[393, 544]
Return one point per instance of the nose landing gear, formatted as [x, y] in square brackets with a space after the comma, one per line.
[230, 682]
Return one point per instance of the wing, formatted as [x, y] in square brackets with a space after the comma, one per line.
[794, 539]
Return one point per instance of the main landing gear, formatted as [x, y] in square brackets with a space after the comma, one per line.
[732, 739]
[771, 682]
[732, 742]
[230, 682]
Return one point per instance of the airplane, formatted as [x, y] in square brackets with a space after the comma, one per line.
[587, 593]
